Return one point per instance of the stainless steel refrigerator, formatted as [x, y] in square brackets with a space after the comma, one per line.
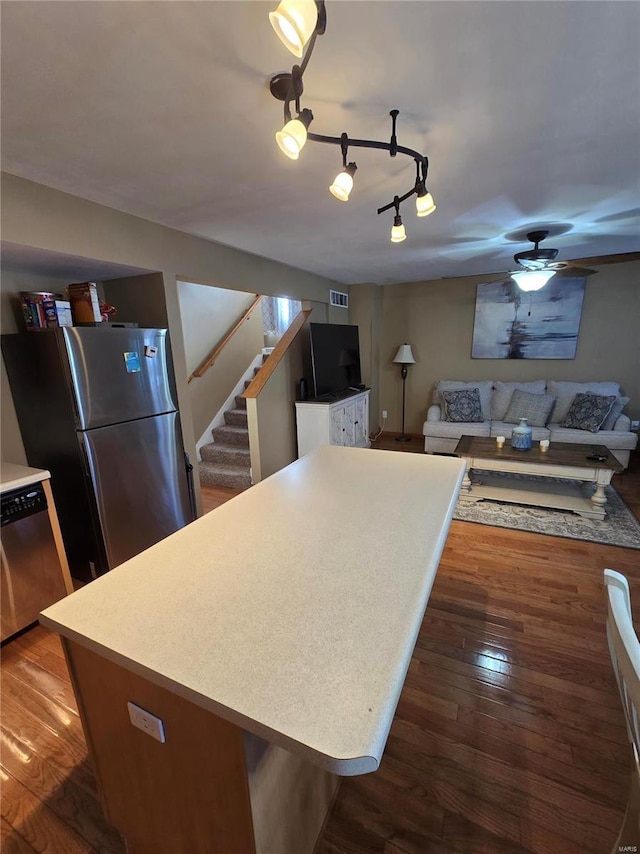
[97, 408]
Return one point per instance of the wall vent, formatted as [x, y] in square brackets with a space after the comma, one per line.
[341, 300]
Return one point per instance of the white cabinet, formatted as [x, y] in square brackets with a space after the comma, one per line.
[341, 422]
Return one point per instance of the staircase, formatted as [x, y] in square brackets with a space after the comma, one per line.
[226, 461]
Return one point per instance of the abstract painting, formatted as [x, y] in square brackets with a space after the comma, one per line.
[514, 324]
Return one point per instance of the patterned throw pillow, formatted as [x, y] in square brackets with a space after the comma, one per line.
[589, 411]
[536, 408]
[462, 405]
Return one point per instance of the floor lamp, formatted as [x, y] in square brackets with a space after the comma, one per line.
[404, 357]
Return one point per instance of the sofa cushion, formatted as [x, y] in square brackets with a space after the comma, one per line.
[503, 428]
[462, 405]
[536, 408]
[502, 393]
[485, 388]
[455, 429]
[612, 439]
[564, 392]
[616, 412]
[589, 411]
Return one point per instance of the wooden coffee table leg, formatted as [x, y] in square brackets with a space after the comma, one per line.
[599, 499]
[466, 480]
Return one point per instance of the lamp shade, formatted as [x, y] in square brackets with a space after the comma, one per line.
[343, 183]
[404, 356]
[398, 234]
[532, 280]
[292, 137]
[425, 205]
[294, 22]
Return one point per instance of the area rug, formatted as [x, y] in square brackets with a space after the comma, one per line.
[619, 528]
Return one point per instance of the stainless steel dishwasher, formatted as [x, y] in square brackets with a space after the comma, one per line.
[31, 576]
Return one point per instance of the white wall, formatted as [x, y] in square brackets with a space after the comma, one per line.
[207, 314]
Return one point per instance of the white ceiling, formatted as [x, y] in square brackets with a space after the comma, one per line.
[528, 112]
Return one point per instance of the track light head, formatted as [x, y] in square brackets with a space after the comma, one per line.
[398, 233]
[343, 183]
[424, 203]
[292, 137]
[294, 22]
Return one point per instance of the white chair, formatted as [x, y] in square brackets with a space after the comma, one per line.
[624, 648]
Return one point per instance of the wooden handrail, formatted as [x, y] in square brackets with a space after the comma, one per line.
[204, 366]
[261, 378]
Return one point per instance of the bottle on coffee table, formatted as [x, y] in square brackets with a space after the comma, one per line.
[521, 436]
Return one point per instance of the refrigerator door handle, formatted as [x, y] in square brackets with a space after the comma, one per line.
[191, 487]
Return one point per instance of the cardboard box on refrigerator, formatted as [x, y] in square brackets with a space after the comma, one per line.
[85, 305]
[58, 313]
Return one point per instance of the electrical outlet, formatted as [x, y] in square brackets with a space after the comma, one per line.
[635, 425]
[147, 722]
[384, 414]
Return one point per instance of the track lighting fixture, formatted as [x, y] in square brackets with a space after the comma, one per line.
[398, 234]
[294, 22]
[532, 280]
[298, 23]
[292, 137]
[343, 183]
[424, 202]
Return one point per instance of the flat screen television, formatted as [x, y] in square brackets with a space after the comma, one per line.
[335, 359]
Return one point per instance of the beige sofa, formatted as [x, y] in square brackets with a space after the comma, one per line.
[442, 436]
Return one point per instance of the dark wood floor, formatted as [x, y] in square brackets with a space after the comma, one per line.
[508, 737]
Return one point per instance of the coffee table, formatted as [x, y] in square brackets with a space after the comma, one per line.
[562, 460]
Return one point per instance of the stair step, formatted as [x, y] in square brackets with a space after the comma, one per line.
[213, 475]
[230, 434]
[237, 417]
[241, 402]
[226, 455]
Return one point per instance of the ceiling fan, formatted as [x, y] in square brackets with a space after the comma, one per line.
[539, 265]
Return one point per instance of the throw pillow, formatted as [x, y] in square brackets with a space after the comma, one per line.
[536, 408]
[566, 391]
[462, 405]
[616, 412]
[485, 389]
[503, 392]
[589, 411]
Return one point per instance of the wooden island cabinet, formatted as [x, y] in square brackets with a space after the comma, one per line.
[260, 652]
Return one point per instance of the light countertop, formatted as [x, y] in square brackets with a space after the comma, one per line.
[13, 476]
[293, 609]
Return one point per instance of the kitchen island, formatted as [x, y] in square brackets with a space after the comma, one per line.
[271, 638]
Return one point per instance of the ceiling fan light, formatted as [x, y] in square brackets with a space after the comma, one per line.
[294, 22]
[343, 183]
[532, 280]
[425, 205]
[398, 234]
[292, 137]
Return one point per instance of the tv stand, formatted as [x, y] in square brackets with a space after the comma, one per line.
[330, 421]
